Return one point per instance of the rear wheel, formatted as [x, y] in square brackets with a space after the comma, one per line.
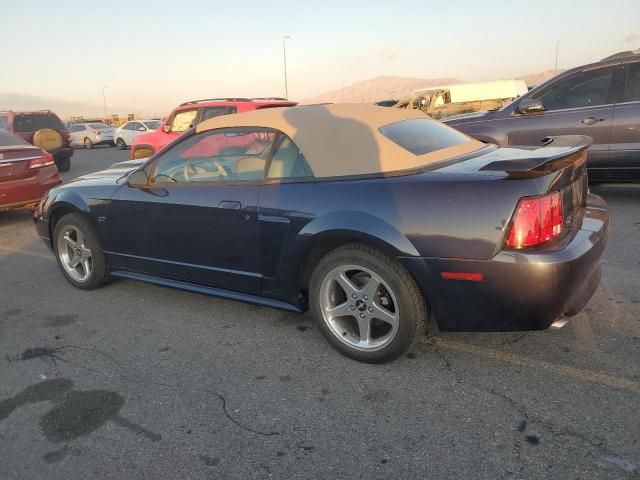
[78, 252]
[366, 304]
[120, 144]
[88, 144]
[63, 164]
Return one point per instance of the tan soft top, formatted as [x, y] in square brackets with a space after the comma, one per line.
[343, 139]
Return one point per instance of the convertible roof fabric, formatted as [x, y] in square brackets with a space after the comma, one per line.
[343, 139]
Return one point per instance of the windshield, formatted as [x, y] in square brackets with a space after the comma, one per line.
[153, 124]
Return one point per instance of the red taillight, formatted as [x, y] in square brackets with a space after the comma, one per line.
[67, 137]
[536, 221]
[44, 161]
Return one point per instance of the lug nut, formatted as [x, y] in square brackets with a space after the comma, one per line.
[352, 307]
[370, 310]
[362, 315]
[366, 297]
[353, 295]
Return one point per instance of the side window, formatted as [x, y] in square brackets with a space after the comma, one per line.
[633, 84]
[210, 112]
[135, 126]
[184, 120]
[288, 161]
[3, 123]
[228, 154]
[587, 89]
[128, 126]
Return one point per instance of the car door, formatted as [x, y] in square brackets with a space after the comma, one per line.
[581, 104]
[131, 132]
[196, 219]
[625, 132]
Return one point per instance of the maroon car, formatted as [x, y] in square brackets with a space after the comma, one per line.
[26, 173]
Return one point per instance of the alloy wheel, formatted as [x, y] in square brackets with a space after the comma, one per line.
[359, 307]
[75, 256]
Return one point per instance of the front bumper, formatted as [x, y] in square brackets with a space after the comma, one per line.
[520, 290]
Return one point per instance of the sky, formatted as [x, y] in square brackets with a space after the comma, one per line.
[152, 55]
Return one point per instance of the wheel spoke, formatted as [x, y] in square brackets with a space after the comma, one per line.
[383, 314]
[341, 310]
[364, 326]
[346, 284]
[80, 237]
[371, 288]
[74, 261]
[69, 241]
[86, 266]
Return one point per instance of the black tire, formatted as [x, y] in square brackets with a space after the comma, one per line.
[120, 144]
[412, 318]
[98, 275]
[88, 144]
[63, 164]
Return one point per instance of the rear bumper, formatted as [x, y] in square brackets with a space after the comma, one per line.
[28, 192]
[519, 290]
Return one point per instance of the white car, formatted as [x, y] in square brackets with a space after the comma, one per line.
[91, 134]
[125, 134]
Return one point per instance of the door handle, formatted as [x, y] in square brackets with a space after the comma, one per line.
[229, 205]
[591, 120]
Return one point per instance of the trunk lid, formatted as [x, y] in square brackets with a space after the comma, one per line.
[14, 161]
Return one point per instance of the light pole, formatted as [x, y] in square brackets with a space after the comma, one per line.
[284, 57]
[557, 48]
[104, 102]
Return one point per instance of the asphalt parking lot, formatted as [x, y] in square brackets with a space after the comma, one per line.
[141, 381]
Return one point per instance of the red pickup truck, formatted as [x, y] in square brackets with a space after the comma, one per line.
[189, 114]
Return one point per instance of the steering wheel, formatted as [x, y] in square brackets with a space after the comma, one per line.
[190, 168]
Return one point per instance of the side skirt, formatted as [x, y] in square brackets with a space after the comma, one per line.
[215, 292]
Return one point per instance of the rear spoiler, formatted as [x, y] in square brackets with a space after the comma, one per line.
[555, 154]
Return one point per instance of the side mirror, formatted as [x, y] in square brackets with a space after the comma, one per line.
[142, 129]
[138, 179]
[166, 128]
[530, 105]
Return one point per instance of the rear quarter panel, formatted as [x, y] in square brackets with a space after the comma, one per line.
[423, 215]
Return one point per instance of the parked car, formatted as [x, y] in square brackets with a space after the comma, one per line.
[189, 114]
[371, 217]
[41, 128]
[26, 172]
[91, 134]
[449, 100]
[601, 100]
[125, 134]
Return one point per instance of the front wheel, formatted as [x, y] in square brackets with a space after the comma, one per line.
[78, 252]
[88, 144]
[366, 304]
[120, 144]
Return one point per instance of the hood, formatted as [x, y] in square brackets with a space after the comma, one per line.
[108, 176]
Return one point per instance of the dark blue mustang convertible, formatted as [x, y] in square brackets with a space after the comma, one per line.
[373, 218]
